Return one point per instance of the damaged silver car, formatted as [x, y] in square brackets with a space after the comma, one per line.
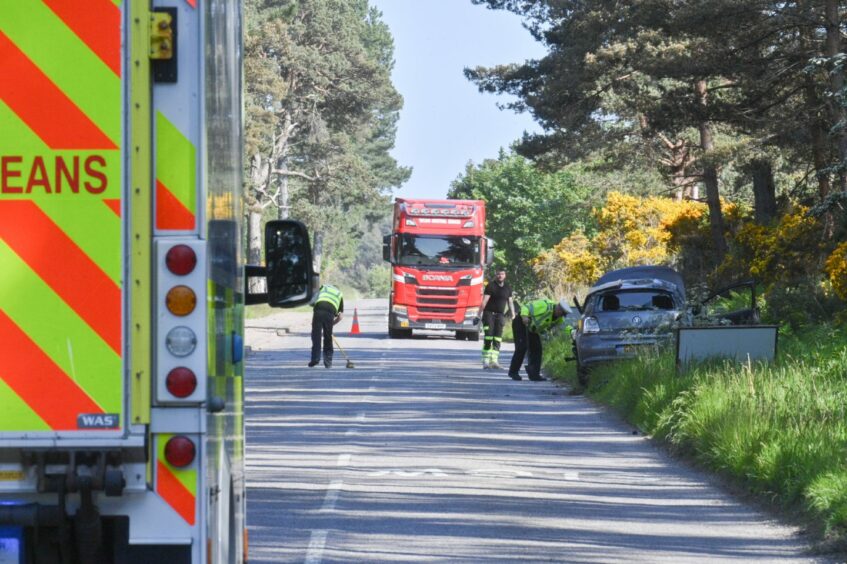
[624, 312]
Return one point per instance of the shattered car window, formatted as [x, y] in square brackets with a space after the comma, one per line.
[647, 300]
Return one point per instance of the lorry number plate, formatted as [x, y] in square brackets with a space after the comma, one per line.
[435, 325]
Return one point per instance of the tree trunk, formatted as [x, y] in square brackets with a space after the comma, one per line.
[317, 251]
[283, 197]
[710, 178]
[254, 245]
[839, 116]
[764, 191]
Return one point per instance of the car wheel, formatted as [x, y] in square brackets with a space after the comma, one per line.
[581, 374]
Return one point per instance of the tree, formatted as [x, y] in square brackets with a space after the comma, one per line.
[527, 211]
[321, 118]
[677, 76]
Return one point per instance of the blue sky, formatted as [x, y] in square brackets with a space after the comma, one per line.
[446, 122]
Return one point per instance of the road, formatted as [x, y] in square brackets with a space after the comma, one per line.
[419, 455]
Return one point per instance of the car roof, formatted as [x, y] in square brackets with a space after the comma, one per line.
[640, 276]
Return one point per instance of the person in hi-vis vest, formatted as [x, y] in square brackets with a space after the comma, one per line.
[534, 318]
[327, 311]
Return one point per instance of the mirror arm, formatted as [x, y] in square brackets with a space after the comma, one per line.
[252, 298]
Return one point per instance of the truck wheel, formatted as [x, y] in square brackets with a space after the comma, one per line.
[467, 335]
[460, 335]
[473, 336]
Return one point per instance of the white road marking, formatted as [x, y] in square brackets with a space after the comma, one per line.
[344, 459]
[409, 473]
[351, 432]
[572, 476]
[360, 418]
[500, 473]
[315, 552]
[332, 495]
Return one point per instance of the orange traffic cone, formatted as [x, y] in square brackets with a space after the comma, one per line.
[355, 329]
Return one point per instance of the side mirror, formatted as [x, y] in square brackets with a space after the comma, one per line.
[489, 251]
[288, 266]
[288, 262]
[386, 248]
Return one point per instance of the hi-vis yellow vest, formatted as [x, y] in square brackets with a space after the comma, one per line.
[540, 313]
[330, 294]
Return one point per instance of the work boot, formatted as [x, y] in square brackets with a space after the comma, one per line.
[485, 365]
[495, 366]
[537, 378]
[313, 363]
[328, 363]
[515, 376]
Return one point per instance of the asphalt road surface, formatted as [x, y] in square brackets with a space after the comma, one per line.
[419, 455]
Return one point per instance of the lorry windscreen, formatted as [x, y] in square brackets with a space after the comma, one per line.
[438, 250]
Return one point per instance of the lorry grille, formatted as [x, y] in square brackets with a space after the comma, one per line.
[449, 301]
[438, 292]
[449, 311]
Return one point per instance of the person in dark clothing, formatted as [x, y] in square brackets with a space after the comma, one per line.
[328, 308]
[496, 304]
[535, 318]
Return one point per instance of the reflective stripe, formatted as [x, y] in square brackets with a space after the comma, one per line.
[331, 295]
[540, 313]
[62, 256]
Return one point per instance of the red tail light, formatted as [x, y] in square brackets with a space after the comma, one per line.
[180, 451]
[181, 260]
[181, 382]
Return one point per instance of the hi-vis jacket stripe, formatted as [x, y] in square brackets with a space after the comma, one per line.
[60, 206]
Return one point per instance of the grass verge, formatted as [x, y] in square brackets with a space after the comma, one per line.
[779, 431]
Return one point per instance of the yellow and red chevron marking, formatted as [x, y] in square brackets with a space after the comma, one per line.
[177, 486]
[176, 177]
[60, 227]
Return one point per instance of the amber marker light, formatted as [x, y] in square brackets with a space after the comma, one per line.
[181, 300]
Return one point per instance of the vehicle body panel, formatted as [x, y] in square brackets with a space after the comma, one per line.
[98, 331]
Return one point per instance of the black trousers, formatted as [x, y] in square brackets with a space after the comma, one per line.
[322, 324]
[492, 324]
[525, 341]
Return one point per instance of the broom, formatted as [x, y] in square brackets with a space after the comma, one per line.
[349, 362]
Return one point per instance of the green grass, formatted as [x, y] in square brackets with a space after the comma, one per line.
[779, 431]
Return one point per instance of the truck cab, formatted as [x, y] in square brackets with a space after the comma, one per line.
[437, 250]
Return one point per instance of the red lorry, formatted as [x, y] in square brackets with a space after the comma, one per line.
[437, 250]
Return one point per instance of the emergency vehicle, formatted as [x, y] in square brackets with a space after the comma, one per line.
[437, 251]
[122, 284]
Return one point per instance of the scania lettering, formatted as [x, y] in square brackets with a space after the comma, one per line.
[122, 283]
[437, 252]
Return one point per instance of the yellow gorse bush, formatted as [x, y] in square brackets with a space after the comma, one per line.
[836, 269]
[631, 231]
[780, 252]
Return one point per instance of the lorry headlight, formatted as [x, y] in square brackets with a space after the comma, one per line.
[472, 312]
[400, 310]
